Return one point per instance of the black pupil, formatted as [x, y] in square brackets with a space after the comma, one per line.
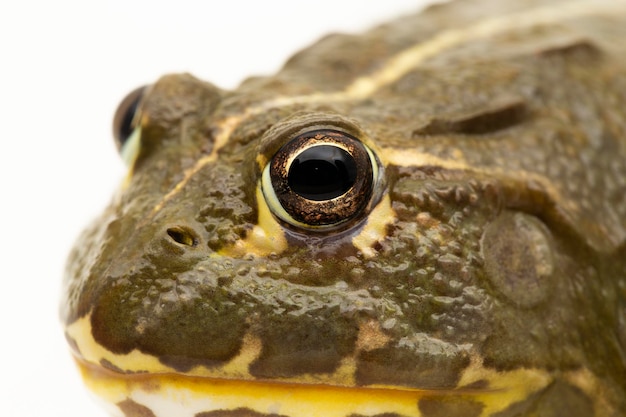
[322, 173]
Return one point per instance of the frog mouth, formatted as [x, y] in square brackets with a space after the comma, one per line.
[161, 394]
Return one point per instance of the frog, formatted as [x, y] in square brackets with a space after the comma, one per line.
[427, 219]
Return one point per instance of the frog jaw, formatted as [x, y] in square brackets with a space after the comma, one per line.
[231, 391]
[167, 394]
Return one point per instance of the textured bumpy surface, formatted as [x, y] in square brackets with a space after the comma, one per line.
[486, 276]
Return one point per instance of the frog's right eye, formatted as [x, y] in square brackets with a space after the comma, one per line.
[127, 121]
[320, 180]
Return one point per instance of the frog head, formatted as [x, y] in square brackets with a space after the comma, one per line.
[417, 240]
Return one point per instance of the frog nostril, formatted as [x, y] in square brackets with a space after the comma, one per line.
[183, 235]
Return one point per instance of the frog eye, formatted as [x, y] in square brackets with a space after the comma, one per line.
[126, 121]
[320, 179]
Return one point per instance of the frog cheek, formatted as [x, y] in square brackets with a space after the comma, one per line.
[519, 260]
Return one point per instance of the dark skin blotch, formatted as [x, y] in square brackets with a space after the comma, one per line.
[579, 47]
[133, 409]
[478, 385]
[378, 415]
[392, 365]
[449, 406]
[498, 115]
[238, 412]
[559, 399]
[184, 335]
[298, 345]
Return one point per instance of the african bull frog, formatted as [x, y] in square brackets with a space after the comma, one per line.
[425, 220]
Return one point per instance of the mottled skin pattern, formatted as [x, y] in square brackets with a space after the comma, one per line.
[507, 243]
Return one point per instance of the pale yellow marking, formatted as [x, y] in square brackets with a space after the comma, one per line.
[265, 238]
[129, 154]
[261, 161]
[410, 58]
[371, 336]
[427, 221]
[249, 352]
[225, 128]
[411, 157]
[375, 229]
[168, 395]
[596, 390]
[81, 332]
[505, 388]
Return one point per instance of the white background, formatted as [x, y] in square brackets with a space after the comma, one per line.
[64, 66]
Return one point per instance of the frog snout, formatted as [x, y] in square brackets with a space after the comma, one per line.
[176, 247]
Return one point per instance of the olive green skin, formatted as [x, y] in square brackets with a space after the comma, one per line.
[540, 121]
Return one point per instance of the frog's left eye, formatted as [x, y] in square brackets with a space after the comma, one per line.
[126, 123]
[126, 116]
[320, 179]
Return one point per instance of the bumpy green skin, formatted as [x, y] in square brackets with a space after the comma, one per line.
[521, 257]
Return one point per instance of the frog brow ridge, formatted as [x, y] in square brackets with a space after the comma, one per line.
[498, 115]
